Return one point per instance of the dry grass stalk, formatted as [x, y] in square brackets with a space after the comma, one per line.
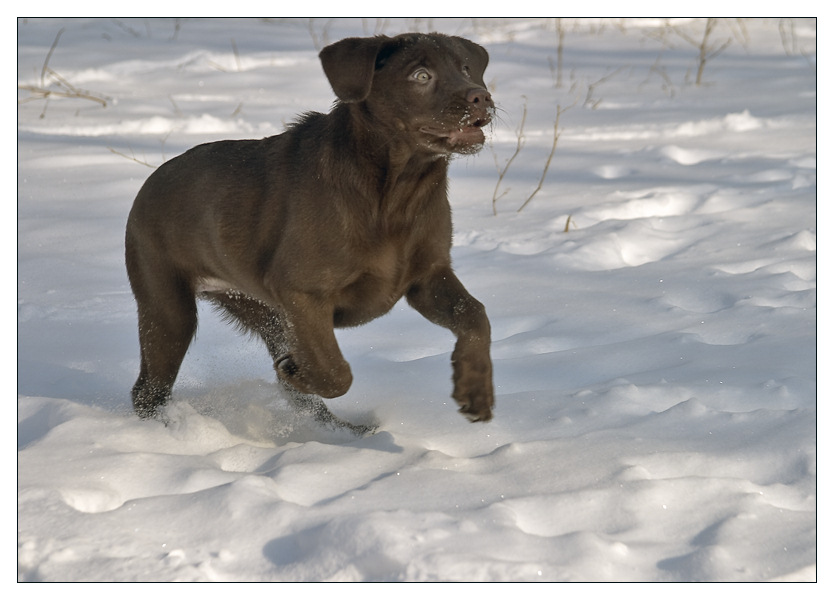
[556, 132]
[133, 158]
[705, 51]
[65, 88]
[503, 172]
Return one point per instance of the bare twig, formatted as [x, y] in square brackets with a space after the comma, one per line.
[236, 53]
[177, 27]
[667, 85]
[133, 158]
[319, 42]
[379, 26]
[223, 69]
[49, 55]
[788, 35]
[519, 144]
[42, 94]
[556, 132]
[561, 32]
[705, 51]
[790, 42]
[66, 89]
[125, 27]
[177, 110]
[592, 86]
[740, 31]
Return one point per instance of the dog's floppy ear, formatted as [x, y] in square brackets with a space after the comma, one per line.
[478, 53]
[349, 66]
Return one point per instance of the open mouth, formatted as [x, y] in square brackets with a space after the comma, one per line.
[459, 138]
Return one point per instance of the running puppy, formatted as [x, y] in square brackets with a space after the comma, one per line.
[327, 225]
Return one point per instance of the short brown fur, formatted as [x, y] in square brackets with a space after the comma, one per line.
[326, 225]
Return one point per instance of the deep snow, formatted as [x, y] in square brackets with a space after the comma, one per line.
[655, 363]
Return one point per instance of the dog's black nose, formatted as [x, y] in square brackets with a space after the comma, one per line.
[479, 97]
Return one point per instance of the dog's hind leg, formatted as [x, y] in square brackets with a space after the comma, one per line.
[313, 406]
[167, 313]
[256, 317]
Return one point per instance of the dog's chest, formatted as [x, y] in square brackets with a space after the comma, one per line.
[383, 277]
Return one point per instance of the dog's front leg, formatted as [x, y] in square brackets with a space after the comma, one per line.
[443, 300]
[314, 364]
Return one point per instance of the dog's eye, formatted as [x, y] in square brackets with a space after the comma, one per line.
[421, 75]
[466, 71]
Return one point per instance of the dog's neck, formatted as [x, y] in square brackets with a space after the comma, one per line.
[387, 156]
[387, 144]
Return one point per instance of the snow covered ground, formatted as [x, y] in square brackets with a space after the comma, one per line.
[655, 363]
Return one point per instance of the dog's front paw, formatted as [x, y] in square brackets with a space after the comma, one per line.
[476, 407]
[473, 389]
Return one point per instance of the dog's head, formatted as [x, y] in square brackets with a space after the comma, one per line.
[429, 87]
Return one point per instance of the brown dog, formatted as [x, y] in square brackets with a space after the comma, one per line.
[326, 225]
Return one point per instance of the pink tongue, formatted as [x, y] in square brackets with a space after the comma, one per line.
[467, 135]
